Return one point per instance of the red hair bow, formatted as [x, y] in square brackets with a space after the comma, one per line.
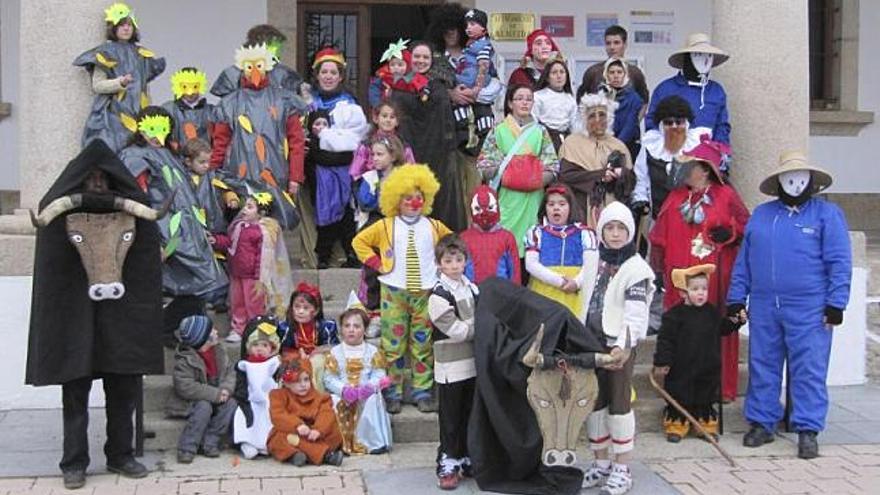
[311, 290]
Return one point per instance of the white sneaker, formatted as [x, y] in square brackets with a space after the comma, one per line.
[233, 337]
[249, 451]
[619, 482]
[595, 475]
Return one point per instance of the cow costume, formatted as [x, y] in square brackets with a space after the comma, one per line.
[795, 268]
[95, 315]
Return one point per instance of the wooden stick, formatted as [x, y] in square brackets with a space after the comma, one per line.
[663, 393]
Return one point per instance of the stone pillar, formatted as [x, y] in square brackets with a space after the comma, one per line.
[282, 14]
[54, 100]
[767, 84]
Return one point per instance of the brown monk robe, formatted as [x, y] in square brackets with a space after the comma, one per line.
[297, 406]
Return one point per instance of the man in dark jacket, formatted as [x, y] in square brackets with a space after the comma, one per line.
[81, 329]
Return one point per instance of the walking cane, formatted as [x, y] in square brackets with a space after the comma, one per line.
[696, 424]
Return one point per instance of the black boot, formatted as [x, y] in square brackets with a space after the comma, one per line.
[74, 479]
[757, 436]
[808, 447]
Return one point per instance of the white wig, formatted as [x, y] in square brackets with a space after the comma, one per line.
[593, 100]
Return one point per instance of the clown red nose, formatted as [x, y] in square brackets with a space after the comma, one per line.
[415, 203]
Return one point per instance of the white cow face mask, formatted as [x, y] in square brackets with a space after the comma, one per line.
[702, 62]
[795, 182]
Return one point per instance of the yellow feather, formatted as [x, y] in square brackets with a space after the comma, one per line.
[146, 53]
[120, 95]
[286, 148]
[245, 123]
[219, 184]
[128, 122]
[145, 100]
[106, 62]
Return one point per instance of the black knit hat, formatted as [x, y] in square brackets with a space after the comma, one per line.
[477, 16]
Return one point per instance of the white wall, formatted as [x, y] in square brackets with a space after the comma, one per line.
[853, 160]
[201, 33]
[690, 16]
[9, 92]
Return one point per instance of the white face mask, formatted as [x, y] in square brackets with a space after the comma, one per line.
[702, 62]
[794, 182]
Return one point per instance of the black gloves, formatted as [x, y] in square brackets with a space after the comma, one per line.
[734, 310]
[720, 234]
[640, 208]
[833, 316]
[616, 159]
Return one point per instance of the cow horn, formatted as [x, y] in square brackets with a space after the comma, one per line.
[533, 357]
[139, 210]
[55, 208]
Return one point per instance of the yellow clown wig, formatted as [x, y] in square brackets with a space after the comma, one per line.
[407, 179]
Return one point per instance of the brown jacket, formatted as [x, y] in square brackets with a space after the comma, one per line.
[191, 380]
[288, 411]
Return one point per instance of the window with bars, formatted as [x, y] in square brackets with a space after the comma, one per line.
[334, 29]
[825, 47]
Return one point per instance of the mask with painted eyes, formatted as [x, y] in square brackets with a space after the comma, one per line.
[702, 62]
[484, 207]
[794, 183]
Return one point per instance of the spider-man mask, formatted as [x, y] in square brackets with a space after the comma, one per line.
[484, 207]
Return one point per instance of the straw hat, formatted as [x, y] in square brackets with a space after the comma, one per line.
[790, 161]
[698, 43]
[680, 275]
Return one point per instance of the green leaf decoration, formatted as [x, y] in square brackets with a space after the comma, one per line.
[166, 174]
[171, 246]
[177, 174]
[200, 215]
[174, 224]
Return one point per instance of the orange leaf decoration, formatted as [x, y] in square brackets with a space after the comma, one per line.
[242, 170]
[267, 176]
[274, 112]
[190, 131]
[260, 147]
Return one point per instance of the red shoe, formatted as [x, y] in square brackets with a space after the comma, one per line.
[449, 481]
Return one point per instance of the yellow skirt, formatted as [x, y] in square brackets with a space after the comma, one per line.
[573, 301]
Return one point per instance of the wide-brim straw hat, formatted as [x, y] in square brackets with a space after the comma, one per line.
[698, 43]
[680, 276]
[790, 161]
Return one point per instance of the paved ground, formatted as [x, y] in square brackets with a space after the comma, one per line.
[850, 462]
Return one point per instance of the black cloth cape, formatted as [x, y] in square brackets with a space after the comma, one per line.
[72, 336]
[504, 440]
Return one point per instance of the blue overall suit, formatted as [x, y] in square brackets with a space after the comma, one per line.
[792, 264]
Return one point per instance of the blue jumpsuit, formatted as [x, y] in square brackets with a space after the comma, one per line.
[709, 105]
[792, 264]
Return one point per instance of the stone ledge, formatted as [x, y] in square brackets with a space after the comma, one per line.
[839, 122]
[17, 255]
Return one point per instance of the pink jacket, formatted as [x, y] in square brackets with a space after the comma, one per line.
[244, 255]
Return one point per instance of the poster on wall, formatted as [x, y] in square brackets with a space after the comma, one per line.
[652, 27]
[596, 26]
[511, 27]
[558, 26]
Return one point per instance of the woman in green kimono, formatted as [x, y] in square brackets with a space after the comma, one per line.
[257, 134]
[518, 159]
[189, 266]
[124, 69]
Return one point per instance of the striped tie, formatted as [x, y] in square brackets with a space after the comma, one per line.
[413, 270]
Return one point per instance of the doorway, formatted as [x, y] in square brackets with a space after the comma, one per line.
[362, 31]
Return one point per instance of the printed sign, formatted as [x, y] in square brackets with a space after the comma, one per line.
[511, 27]
[596, 26]
[652, 27]
[558, 26]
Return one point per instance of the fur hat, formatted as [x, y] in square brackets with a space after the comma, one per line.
[293, 367]
[617, 211]
[680, 276]
[195, 330]
[406, 179]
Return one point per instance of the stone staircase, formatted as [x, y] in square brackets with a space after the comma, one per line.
[410, 425]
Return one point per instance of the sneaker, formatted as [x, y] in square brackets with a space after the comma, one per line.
[130, 469]
[757, 436]
[448, 473]
[74, 479]
[808, 447]
[299, 459]
[673, 438]
[334, 458]
[393, 406]
[351, 262]
[426, 405]
[249, 451]
[323, 264]
[619, 482]
[233, 337]
[184, 457]
[595, 475]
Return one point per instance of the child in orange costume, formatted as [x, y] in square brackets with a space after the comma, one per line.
[303, 422]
